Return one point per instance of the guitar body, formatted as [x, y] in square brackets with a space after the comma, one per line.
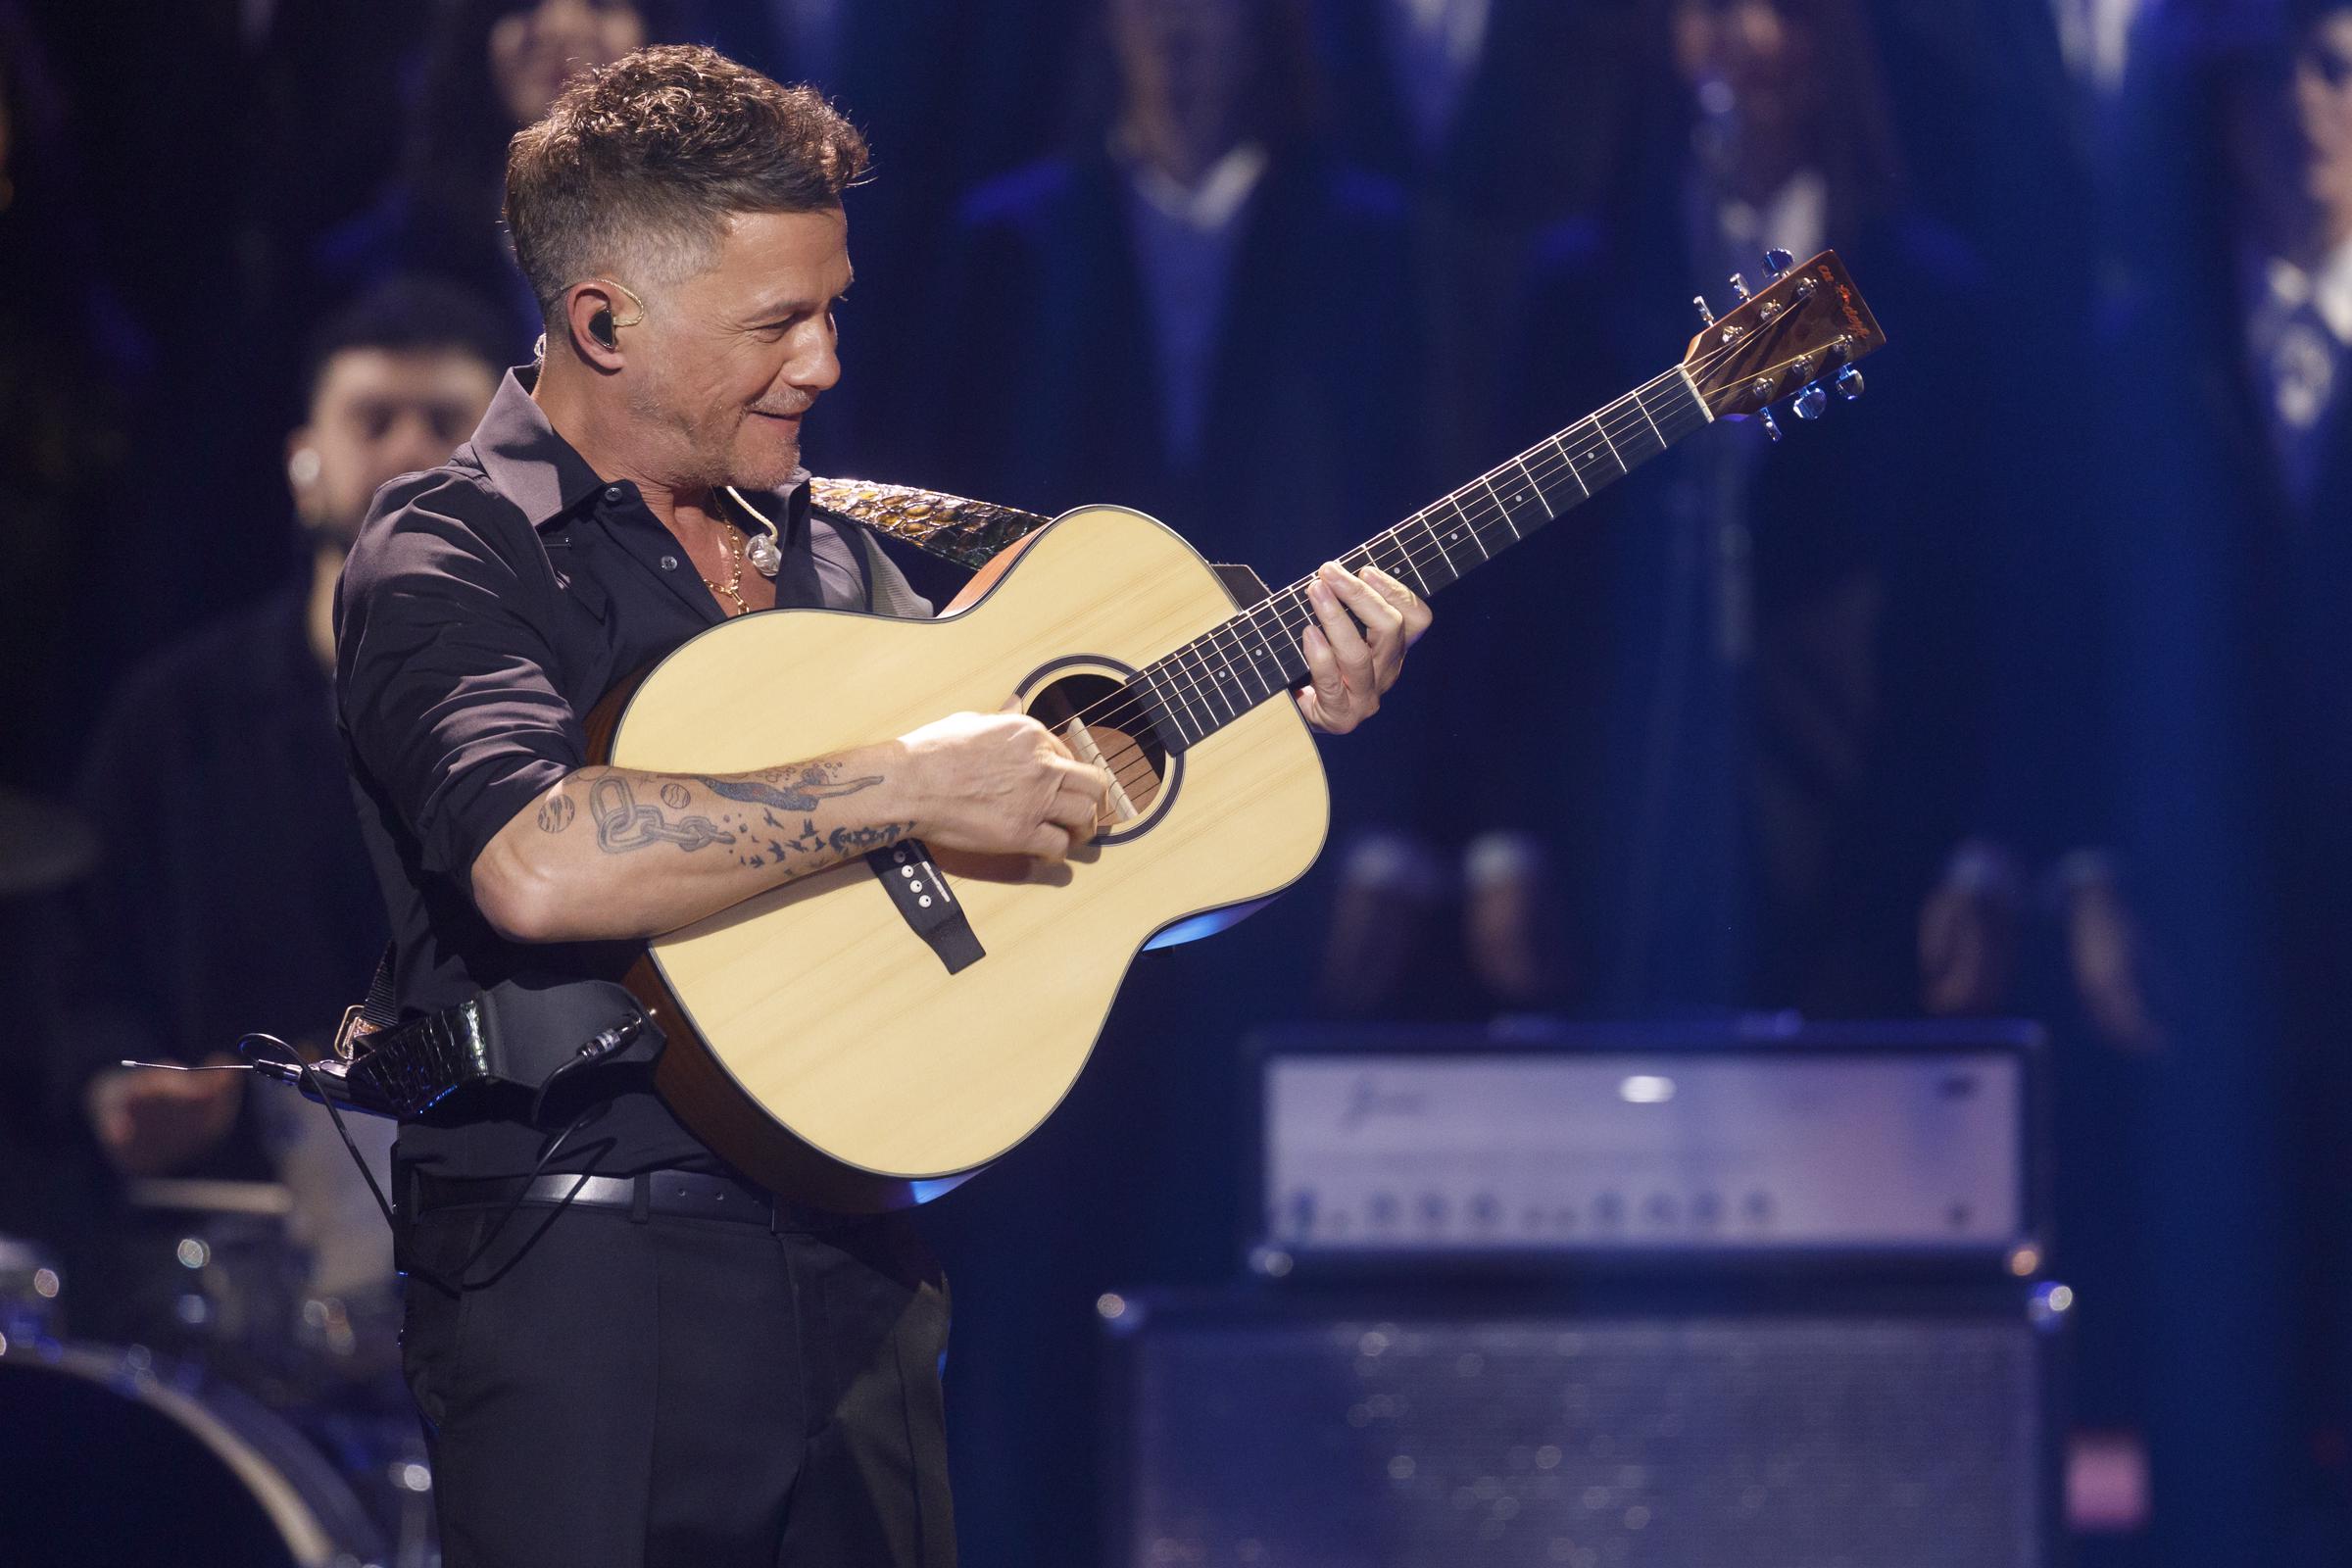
[815, 1040]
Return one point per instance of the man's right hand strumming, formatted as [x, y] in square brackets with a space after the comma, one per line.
[1002, 784]
[613, 853]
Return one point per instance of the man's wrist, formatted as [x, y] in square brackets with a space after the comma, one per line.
[908, 793]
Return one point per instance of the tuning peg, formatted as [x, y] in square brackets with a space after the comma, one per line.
[1849, 383]
[1777, 262]
[1772, 427]
[1811, 401]
[1706, 312]
[1740, 285]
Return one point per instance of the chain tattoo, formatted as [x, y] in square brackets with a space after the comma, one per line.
[621, 824]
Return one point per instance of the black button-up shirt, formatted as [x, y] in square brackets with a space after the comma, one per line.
[486, 608]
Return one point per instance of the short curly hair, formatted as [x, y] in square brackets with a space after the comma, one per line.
[639, 164]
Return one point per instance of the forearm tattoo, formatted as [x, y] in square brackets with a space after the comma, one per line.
[790, 789]
[624, 823]
[847, 841]
[621, 824]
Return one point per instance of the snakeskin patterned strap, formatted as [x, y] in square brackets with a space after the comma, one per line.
[954, 528]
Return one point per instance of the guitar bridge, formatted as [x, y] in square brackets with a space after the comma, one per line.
[912, 878]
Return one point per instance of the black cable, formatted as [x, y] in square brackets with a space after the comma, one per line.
[513, 1206]
[309, 1077]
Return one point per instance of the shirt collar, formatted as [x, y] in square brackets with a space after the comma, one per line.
[544, 475]
[1211, 205]
[524, 459]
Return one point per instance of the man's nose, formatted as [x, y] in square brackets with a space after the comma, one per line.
[816, 367]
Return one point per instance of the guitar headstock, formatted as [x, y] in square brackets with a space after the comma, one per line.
[1800, 336]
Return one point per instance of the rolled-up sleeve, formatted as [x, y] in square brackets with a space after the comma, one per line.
[449, 694]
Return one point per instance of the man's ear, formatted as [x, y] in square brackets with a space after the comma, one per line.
[589, 311]
[303, 468]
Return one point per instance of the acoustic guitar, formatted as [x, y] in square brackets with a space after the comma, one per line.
[871, 1035]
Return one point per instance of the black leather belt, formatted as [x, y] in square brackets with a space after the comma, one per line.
[673, 1193]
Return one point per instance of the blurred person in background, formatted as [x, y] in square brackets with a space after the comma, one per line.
[1195, 311]
[1496, 117]
[2232, 567]
[491, 67]
[1777, 694]
[232, 891]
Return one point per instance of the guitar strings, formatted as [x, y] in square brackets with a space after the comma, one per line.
[1630, 415]
[1478, 515]
[1125, 707]
[1614, 421]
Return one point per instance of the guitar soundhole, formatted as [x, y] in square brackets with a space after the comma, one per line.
[1100, 723]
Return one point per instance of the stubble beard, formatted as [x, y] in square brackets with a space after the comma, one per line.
[761, 470]
[710, 452]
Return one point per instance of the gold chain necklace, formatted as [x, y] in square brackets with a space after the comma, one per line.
[733, 587]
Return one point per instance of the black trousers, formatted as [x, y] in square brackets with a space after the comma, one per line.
[604, 1392]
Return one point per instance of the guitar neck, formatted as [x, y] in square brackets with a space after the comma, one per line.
[1212, 680]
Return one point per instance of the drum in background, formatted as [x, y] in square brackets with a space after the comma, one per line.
[116, 1458]
[220, 1272]
[207, 1285]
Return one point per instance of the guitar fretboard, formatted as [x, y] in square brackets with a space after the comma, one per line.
[1212, 680]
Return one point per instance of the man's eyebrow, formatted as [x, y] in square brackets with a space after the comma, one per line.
[794, 305]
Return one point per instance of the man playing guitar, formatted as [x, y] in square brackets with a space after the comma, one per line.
[624, 1351]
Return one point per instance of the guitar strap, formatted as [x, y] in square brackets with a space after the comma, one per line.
[954, 528]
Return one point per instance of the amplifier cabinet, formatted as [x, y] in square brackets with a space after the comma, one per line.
[1310, 1432]
[1861, 1143]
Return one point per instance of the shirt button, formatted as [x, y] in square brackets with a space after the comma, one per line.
[616, 494]
[669, 563]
